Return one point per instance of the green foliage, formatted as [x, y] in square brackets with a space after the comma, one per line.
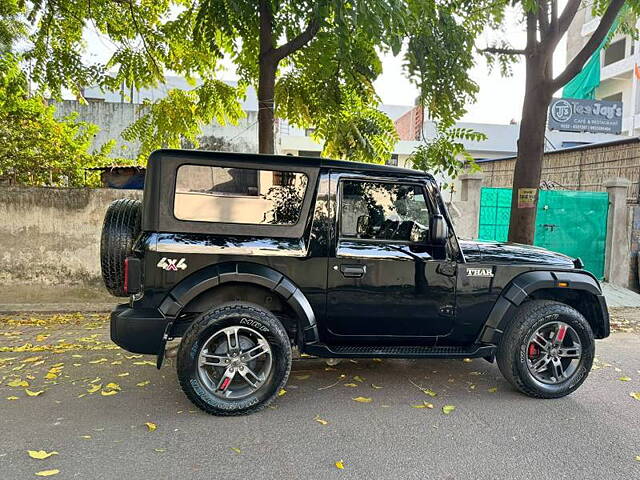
[179, 116]
[36, 148]
[445, 155]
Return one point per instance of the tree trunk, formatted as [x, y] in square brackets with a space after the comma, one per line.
[266, 117]
[522, 225]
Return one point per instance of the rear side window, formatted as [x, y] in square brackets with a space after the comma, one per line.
[238, 195]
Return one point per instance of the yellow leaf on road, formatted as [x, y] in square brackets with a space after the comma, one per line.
[41, 337]
[467, 360]
[145, 362]
[340, 465]
[18, 382]
[237, 450]
[282, 392]
[362, 399]
[142, 384]
[637, 458]
[33, 394]
[302, 377]
[94, 388]
[48, 473]
[151, 426]
[320, 420]
[40, 454]
[358, 378]
[423, 405]
[428, 391]
[447, 409]
[125, 374]
[100, 360]
[12, 398]
[635, 395]
[492, 389]
[350, 384]
[376, 387]
[106, 393]
[112, 386]
[625, 379]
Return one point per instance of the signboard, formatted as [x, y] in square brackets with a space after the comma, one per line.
[527, 197]
[594, 116]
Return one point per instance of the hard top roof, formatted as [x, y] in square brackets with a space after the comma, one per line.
[289, 160]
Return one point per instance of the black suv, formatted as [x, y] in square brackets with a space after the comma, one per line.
[246, 256]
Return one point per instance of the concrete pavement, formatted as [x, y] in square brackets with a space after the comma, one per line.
[497, 434]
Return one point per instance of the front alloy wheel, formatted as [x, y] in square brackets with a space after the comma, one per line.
[554, 352]
[547, 349]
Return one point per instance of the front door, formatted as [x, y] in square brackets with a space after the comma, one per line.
[384, 279]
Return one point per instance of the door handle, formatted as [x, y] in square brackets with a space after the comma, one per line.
[353, 271]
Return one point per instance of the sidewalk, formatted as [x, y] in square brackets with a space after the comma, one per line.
[76, 299]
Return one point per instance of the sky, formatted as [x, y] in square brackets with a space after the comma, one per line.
[499, 99]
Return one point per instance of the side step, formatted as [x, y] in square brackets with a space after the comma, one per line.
[413, 351]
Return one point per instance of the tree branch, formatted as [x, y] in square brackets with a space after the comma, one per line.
[543, 18]
[574, 67]
[560, 25]
[503, 51]
[298, 41]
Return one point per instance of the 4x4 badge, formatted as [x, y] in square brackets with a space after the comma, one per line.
[172, 264]
[479, 272]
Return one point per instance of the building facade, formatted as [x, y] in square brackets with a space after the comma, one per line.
[619, 67]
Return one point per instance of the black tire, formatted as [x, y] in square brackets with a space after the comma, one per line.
[512, 356]
[121, 227]
[206, 325]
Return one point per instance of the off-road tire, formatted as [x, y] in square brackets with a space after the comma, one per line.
[207, 324]
[512, 350]
[121, 227]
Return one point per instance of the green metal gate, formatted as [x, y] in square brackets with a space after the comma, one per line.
[573, 223]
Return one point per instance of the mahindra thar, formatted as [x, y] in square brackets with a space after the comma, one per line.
[244, 257]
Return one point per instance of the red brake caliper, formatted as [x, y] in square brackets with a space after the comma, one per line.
[533, 351]
[225, 383]
[561, 333]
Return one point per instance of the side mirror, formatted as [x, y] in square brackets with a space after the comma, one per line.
[439, 232]
[362, 227]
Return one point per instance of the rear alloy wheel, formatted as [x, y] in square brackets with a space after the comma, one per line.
[234, 359]
[547, 350]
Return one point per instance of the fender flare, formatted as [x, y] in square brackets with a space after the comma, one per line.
[524, 285]
[253, 273]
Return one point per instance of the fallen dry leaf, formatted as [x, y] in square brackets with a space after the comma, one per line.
[108, 393]
[467, 360]
[350, 384]
[18, 382]
[94, 388]
[492, 389]
[358, 378]
[376, 387]
[625, 379]
[40, 454]
[160, 450]
[33, 393]
[282, 392]
[125, 374]
[142, 384]
[145, 362]
[100, 360]
[237, 450]
[320, 420]
[12, 397]
[362, 399]
[423, 405]
[302, 377]
[428, 391]
[340, 465]
[447, 409]
[635, 395]
[151, 426]
[48, 473]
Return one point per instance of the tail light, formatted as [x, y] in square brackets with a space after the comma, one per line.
[132, 275]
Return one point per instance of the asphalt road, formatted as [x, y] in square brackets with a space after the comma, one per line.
[592, 434]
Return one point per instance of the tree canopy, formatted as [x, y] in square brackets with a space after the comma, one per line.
[312, 62]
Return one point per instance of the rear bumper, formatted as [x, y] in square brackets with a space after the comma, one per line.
[138, 330]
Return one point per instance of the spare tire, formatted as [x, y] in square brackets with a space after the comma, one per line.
[120, 229]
